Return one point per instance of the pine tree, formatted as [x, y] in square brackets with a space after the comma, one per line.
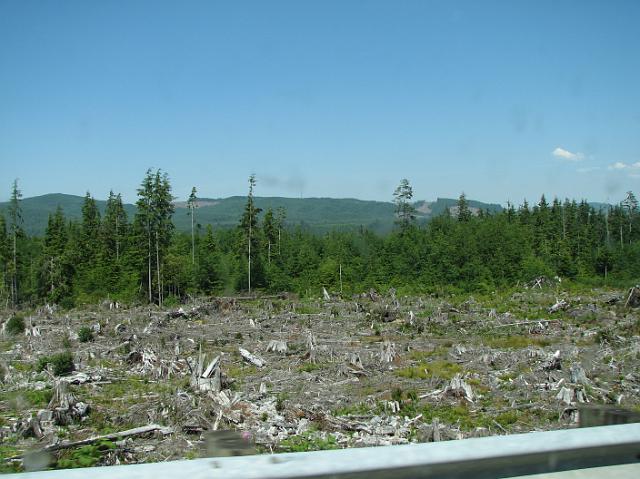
[55, 275]
[405, 212]
[114, 229]
[162, 205]
[464, 213]
[143, 221]
[4, 257]
[524, 213]
[281, 215]
[153, 222]
[16, 232]
[510, 212]
[90, 229]
[270, 231]
[192, 204]
[630, 203]
[249, 228]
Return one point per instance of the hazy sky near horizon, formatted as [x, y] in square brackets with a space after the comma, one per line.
[500, 99]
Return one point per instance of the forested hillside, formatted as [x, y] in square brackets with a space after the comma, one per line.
[113, 253]
[319, 215]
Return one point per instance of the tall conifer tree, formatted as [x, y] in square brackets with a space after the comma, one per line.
[16, 232]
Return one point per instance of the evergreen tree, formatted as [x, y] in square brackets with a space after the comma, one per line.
[90, 229]
[143, 224]
[16, 232]
[270, 231]
[56, 271]
[4, 258]
[630, 203]
[114, 229]
[510, 212]
[153, 223]
[464, 213]
[249, 229]
[281, 215]
[192, 204]
[405, 212]
[524, 213]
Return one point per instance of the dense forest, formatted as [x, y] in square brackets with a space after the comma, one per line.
[142, 258]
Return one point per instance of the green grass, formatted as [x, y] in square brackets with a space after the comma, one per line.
[7, 451]
[456, 414]
[133, 387]
[509, 376]
[440, 350]
[241, 371]
[310, 367]
[306, 308]
[514, 342]
[26, 398]
[440, 369]
[308, 442]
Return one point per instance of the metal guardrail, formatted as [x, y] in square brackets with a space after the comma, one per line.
[489, 457]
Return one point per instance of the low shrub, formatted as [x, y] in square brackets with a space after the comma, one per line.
[15, 325]
[85, 334]
[62, 363]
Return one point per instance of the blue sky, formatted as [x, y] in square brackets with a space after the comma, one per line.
[500, 99]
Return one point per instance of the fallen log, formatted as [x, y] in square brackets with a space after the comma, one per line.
[253, 359]
[136, 431]
[559, 305]
[526, 323]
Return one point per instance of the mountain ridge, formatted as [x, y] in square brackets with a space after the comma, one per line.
[320, 214]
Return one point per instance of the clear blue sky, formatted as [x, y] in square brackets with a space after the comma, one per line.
[502, 100]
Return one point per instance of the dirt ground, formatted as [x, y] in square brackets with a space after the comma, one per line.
[292, 375]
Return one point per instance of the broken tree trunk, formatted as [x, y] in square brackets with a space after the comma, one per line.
[210, 379]
[277, 346]
[325, 294]
[633, 299]
[387, 352]
[251, 358]
[459, 388]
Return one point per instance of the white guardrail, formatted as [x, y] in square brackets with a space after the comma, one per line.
[488, 457]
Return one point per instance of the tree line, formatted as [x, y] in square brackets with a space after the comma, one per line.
[143, 259]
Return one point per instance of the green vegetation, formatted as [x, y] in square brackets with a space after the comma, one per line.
[321, 215]
[358, 409]
[514, 342]
[15, 325]
[310, 367]
[27, 397]
[6, 451]
[85, 334]
[440, 369]
[85, 456]
[310, 441]
[456, 414]
[105, 249]
[62, 363]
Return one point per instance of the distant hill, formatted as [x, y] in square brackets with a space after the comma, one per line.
[36, 210]
[317, 214]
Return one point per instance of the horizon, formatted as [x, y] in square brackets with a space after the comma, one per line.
[501, 101]
[176, 200]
